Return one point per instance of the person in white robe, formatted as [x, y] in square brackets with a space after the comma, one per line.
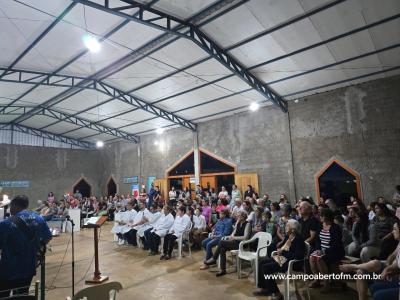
[181, 224]
[124, 220]
[160, 230]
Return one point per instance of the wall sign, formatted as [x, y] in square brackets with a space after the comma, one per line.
[150, 180]
[14, 184]
[133, 179]
[135, 190]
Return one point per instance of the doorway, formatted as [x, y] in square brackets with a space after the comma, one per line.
[83, 187]
[338, 182]
[111, 187]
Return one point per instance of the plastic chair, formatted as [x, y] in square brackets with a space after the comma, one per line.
[264, 240]
[99, 292]
[290, 272]
[184, 236]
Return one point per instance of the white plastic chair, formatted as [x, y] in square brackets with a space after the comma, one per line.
[290, 272]
[264, 240]
[184, 236]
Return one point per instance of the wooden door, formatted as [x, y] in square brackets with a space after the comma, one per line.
[208, 180]
[243, 180]
[162, 183]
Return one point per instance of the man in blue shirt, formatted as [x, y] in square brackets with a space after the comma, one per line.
[152, 194]
[21, 236]
[222, 228]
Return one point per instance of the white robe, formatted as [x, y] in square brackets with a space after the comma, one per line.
[180, 225]
[163, 225]
[150, 224]
[143, 227]
[127, 217]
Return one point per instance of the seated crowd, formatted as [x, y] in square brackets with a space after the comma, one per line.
[320, 236]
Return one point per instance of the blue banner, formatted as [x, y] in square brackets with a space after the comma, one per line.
[133, 179]
[150, 180]
[14, 184]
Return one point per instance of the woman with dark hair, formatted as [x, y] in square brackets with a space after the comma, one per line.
[248, 193]
[329, 248]
[275, 211]
[383, 222]
[286, 210]
[359, 233]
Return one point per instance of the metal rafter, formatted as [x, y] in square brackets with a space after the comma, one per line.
[391, 47]
[41, 78]
[47, 135]
[303, 91]
[78, 56]
[158, 43]
[259, 35]
[165, 22]
[112, 68]
[59, 115]
[41, 36]
[26, 77]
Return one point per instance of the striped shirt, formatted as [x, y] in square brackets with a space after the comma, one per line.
[325, 239]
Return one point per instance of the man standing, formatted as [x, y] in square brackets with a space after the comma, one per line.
[21, 237]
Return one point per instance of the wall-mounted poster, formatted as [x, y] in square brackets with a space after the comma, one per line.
[133, 179]
[150, 180]
[135, 190]
[14, 184]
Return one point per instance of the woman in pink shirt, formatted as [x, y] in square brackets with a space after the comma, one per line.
[206, 209]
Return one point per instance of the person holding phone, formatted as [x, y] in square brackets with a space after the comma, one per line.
[329, 250]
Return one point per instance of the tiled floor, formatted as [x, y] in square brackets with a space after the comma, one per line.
[145, 277]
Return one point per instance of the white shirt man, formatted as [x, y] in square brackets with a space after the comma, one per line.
[199, 222]
[124, 223]
[181, 224]
[163, 225]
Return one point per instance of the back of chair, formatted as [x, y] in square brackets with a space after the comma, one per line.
[185, 234]
[98, 292]
[264, 239]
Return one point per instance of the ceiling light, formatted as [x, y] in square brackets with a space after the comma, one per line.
[91, 43]
[296, 101]
[160, 130]
[254, 106]
[99, 144]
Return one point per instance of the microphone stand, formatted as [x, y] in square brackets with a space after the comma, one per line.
[73, 255]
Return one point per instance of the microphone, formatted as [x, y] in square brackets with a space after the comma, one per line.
[68, 217]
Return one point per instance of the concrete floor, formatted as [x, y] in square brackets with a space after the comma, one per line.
[144, 277]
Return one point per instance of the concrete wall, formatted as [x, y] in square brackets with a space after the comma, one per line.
[48, 169]
[358, 125]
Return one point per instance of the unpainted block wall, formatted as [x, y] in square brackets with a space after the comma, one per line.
[48, 169]
[359, 125]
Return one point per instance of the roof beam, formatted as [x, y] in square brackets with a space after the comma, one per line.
[153, 46]
[164, 22]
[83, 123]
[394, 46]
[78, 56]
[41, 78]
[278, 58]
[47, 135]
[41, 36]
